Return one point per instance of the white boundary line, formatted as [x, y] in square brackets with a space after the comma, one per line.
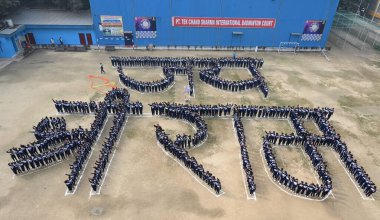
[75, 113]
[249, 197]
[187, 170]
[286, 191]
[353, 182]
[109, 164]
[88, 159]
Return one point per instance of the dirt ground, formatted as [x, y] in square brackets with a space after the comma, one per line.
[144, 183]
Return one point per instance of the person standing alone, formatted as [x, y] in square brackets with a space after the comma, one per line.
[52, 43]
[102, 69]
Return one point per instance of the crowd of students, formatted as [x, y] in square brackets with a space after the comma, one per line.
[232, 62]
[293, 184]
[239, 128]
[183, 156]
[148, 87]
[212, 77]
[183, 66]
[180, 112]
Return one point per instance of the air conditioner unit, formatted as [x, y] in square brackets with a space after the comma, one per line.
[9, 23]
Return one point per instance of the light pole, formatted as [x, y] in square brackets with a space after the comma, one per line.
[377, 8]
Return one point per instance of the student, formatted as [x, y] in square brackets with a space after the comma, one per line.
[102, 69]
[52, 42]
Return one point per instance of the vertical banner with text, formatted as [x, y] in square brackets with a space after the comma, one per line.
[111, 25]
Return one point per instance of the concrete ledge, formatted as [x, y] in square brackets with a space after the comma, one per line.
[81, 49]
[110, 48]
[59, 49]
[71, 49]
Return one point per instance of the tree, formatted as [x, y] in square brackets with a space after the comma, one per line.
[74, 5]
[354, 5]
[7, 7]
[70, 5]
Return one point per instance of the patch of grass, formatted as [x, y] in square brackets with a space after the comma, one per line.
[245, 101]
[375, 63]
[295, 80]
[349, 101]
[170, 94]
[292, 102]
[366, 124]
[342, 130]
[211, 139]
[96, 96]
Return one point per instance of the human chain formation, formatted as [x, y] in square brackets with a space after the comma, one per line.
[55, 143]
[239, 128]
[183, 66]
[190, 162]
[290, 182]
[63, 106]
[148, 87]
[180, 112]
[109, 145]
[160, 108]
[147, 61]
[212, 77]
[296, 115]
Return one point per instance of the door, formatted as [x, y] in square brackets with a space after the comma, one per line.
[128, 39]
[14, 43]
[236, 40]
[82, 39]
[89, 39]
[30, 38]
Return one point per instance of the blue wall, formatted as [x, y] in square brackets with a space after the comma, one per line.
[7, 49]
[290, 15]
[8, 43]
[69, 33]
[43, 34]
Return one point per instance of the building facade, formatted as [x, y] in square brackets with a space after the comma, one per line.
[214, 22]
[177, 23]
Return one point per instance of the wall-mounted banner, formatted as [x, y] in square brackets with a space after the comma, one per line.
[223, 22]
[145, 27]
[313, 30]
[111, 25]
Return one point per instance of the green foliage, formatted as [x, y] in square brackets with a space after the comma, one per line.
[354, 5]
[7, 7]
[71, 5]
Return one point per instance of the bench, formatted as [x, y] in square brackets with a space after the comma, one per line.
[110, 48]
[70, 48]
[81, 48]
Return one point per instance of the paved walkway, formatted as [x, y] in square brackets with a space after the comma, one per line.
[5, 62]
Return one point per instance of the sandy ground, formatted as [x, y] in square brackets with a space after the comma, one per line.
[144, 183]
